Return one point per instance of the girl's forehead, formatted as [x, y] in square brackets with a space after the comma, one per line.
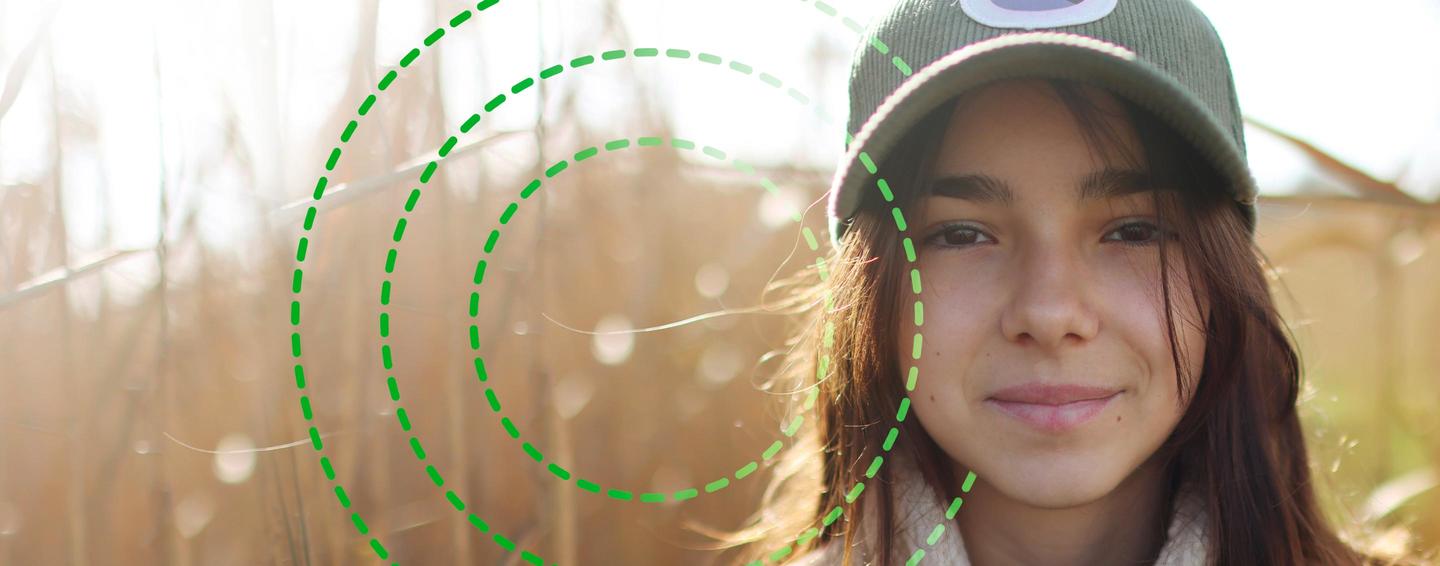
[1031, 130]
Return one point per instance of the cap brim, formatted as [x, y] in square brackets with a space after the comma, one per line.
[1050, 55]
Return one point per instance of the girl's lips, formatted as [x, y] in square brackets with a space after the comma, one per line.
[1053, 409]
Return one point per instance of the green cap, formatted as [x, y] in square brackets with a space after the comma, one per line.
[1160, 54]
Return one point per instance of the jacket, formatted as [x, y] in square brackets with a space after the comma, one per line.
[917, 513]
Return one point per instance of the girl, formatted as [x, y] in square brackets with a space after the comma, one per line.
[1066, 219]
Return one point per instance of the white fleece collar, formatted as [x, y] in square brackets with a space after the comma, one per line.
[917, 513]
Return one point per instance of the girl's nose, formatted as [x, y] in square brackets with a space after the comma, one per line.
[1048, 304]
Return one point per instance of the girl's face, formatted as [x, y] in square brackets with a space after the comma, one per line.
[1046, 366]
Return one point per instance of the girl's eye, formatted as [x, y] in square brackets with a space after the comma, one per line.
[1137, 233]
[958, 236]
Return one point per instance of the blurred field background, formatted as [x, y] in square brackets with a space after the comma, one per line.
[157, 160]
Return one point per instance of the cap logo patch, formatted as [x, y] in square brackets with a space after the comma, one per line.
[1036, 14]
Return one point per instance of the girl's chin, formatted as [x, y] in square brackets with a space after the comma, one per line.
[1055, 491]
[1052, 481]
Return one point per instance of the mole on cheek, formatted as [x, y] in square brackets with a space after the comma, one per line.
[932, 398]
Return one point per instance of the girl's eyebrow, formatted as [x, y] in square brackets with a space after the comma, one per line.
[973, 187]
[1110, 183]
[1102, 184]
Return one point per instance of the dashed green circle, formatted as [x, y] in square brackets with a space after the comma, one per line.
[302, 245]
[556, 469]
[553, 170]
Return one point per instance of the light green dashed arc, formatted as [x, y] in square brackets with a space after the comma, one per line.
[377, 546]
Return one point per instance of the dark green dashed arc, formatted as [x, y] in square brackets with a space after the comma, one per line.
[556, 469]
[302, 245]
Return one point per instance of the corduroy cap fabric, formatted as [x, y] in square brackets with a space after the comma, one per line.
[1163, 55]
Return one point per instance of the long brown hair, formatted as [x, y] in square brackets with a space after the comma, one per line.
[1240, 440]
